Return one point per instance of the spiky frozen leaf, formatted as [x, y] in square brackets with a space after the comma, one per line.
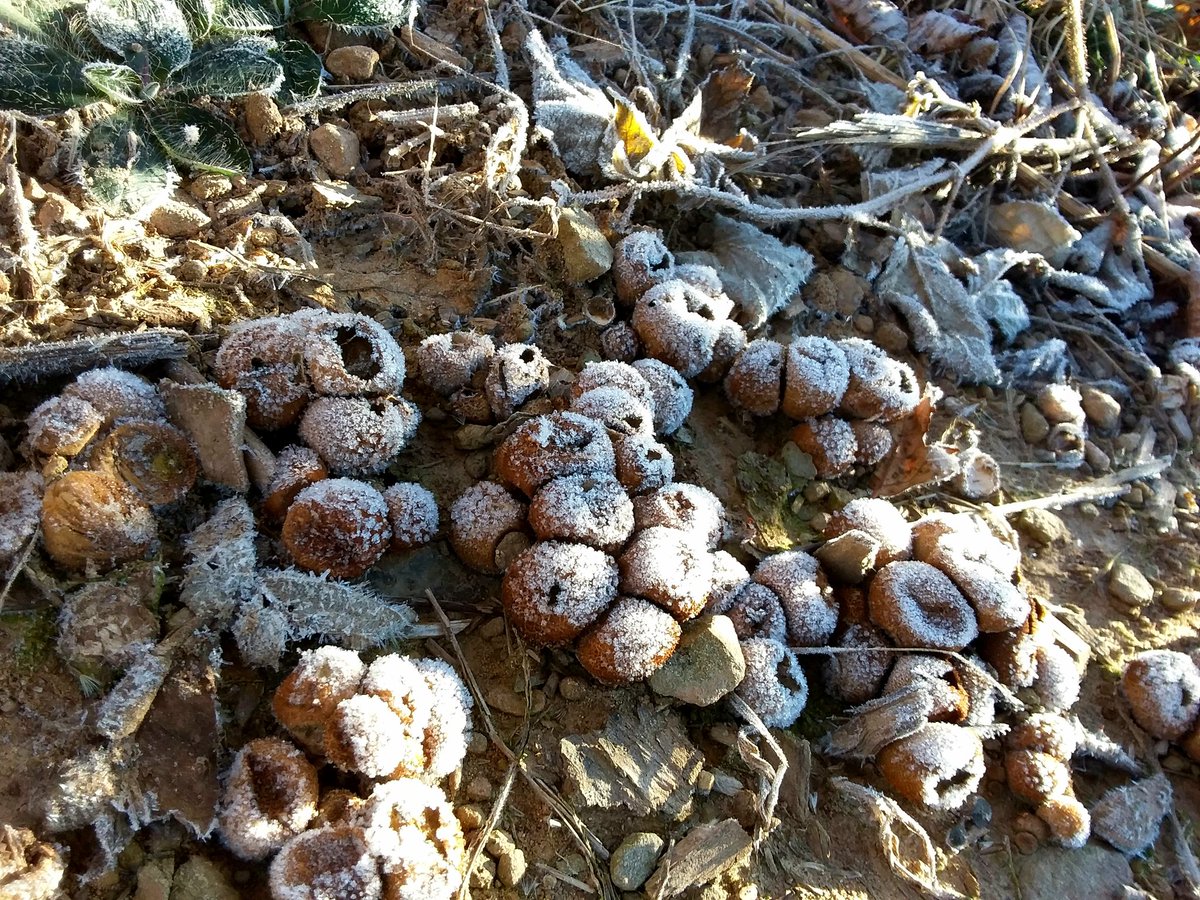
[125, 168]
[348, 614]
[301, 71]
[247, 17]
[156, 27]
[118, 83]
[200, 16]
[569, 105]
[198, 140]
[358, 13]
[221, 573]
[232, 70]
[41, 80]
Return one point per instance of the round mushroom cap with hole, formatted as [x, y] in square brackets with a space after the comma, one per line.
[350, 355]
[263, 360]
[757, 613]
[618, 410]
[153, 458]
[329, 863]
[547, 447]
[413, 833]
[1162, 688]
[674, 332]
[449, 362]
[270, 796]
[755, 379]
[516, 373]
[554, 590]
[774, 686]
[857, 677]
[480, 519]
[643, 464]
[684, 507]
[808, 602]
[611, 373]
[816, 374]
[670, 567]
[357, 436]
[880, 387]
[672, 395]
[939, 766]
[586, 509]
[918, 606]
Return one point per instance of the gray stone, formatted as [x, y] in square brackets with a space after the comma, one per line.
[1179, 600]
[634, 860]
[352, 65]
[573, 689]
[707, 664]
[1061, 403]
[1128, 586]
[1043, 527]
[199, 879]
[1034, 426]
[1129, 817]
[1101, 409]
[850, 556]
[1057, 872]
[264, 121]
[178, 220]
[336, 149]
[586, 252]
[706, 852]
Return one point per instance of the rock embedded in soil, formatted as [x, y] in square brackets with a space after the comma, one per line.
[1061, 403]
[200, 879]
[1179, 600]
[1129, 817]
[848, 557]
[1059, 872]
[336, 148]
[175, 219]
[1043, 527]
[1101, 409]
[352, 65]
[705, 853]
[707, 664]
[1034, 427]
[264, 121]
[510, 859]
[1129, 587]
[634, 860]
[586, 252]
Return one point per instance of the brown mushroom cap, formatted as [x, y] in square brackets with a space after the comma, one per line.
[586, 509]
[552, 446]
[1162, 688]
[878, 518]
[678, 325]
[815, 378]
[670, 567]
[613, 374]
[641, 261]
[117, 395]
[554, 590]
[358, 436]
[615, 408]
[939, 766]
[807, 600]
[629, 642]
[94, 521]
[755, 378]
[413, 513]
[643, 464]
[263, 361]
[516, 372]
[683, 507]
[830, 442]
[774, 686]
[295, 469]
[351, 355]
[306, 699]
[326, 864]
[62, 426]
[270, 796]
[449, 362]
[918, 606]
[672, 395]
[154, 458]
[858, 677]
[338, 526]
[880, 387]
[481, 519]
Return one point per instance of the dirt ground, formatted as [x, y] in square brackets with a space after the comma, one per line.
[423, 251]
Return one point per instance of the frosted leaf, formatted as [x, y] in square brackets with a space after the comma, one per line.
[414, 834]
[683, 507]
[516, 372]
[413, 512]
[568, 104]
[629, 643]
[118, 394]
[672, 395]
[158, 26]
[20, 512]
[672, 568]
[807, 600]
[918, 606]
[774, 686]
[449, 725]
[270, 796]
[1129, 817]
[221, 573]
[587, 509]
[615, 408]
[878, 518]
[758, 271]
[122, 711]
[613, 374]
[757, 613]
[350, 614]
[357, 436]
[729, 576]
[643, 464]
[448, 362]
[350, 355]
[329, 863]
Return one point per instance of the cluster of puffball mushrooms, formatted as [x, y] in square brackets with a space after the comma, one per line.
[400, 725]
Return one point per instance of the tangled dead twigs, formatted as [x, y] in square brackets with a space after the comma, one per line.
[770, 776]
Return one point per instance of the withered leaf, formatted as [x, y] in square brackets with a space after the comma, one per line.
[724, 92]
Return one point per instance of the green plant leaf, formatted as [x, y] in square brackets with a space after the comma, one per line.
[301, 71]
[231, 70]
[197, 139]
[118, 83]
[358, 13]
[125, 168]
[157, 28]
[200, 16]
[41, 80]
[246, 17]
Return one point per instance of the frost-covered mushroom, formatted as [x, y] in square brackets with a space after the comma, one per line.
[641, 261]
[632, 639]
[618, 410]
[449, 362]
[874, 441]
[418, 842]
[816, 374]
[757, 613]
[154, 458]
[449, 726]
[20, 511]
[939, 678]
[263, 360]
[672, 395]
[1069, 821]
[552, 446]
[117, 395]
[879, 387]
[487, 527]
[295, 469]
[807, 600]
[858, 676]
[339, 526]
[413, 514]
[515, 373]
[554, 590]
[351, 355]
[939, 766]
[774, 685]
[93, 522]
[1162, 688]
[729, 577]
[307, 698]
[643, 464]
[731, 341]
[683, 507]
[62, 426]
[830, 442]
[328, 863]
[672, 568]
[755, 378]
[678, 325]
[586, 509]
[270, 797]
[918, 606]
[613, 374]
[357, 436]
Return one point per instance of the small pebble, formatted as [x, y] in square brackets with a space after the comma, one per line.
[469, 816]
[1179, 600]
[1129, 587]
[483, 876]
[572, 689]
[634, 860]
[891, 337]
[864, 324]
[1034, 426]
[478, 744]
[1061, 403]
[705, 781]
[1026, 842]
[1043, 527]
[1102, 410]
[479, 788]
[492, 628]
[1096, 458]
